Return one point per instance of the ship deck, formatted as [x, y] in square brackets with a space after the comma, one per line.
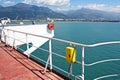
[16, 66]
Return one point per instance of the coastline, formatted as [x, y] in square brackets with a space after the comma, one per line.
[65, 20]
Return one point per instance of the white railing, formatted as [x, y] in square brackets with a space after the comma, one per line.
[49, 60]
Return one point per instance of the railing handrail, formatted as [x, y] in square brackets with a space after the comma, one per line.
[76, 44]
[69, 42]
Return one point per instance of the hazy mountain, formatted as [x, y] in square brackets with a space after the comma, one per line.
[89, 14]
[26, 11]
[0, 6]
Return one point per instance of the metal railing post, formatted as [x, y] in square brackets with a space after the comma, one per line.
[27, 46]
[13, 39]
[49, 60]
[83, 62]
[7, 38]
[50, 52]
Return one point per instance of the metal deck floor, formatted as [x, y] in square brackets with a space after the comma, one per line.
[15, 66]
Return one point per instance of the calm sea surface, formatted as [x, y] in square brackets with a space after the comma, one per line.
[91, 33]
[87, 33]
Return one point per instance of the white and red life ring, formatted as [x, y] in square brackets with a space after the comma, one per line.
[51, 26]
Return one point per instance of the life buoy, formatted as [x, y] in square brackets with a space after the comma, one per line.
[50, 26]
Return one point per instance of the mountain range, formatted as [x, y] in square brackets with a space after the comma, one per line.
[90, 14]
[26, 11]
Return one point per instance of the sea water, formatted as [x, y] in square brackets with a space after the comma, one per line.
[92, 33]
[86, 33]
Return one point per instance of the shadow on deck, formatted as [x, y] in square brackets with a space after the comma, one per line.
[16, 66]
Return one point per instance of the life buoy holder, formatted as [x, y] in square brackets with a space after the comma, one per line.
[70, 54]
[50, 26]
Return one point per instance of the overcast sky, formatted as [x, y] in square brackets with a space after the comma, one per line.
[64, 5]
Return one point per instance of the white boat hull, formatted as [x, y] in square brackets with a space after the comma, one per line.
[20, 38]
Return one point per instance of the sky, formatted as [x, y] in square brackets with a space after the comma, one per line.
[65, 5]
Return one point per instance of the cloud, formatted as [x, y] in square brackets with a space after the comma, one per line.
[9, 2]
[101, 7]
[95, 6]
[114, 9]
[104, 7]
[27, 1]
[48, 2]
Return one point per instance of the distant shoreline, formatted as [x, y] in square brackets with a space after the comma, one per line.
[66, 20]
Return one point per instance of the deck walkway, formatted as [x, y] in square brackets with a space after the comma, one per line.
[15, 66]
